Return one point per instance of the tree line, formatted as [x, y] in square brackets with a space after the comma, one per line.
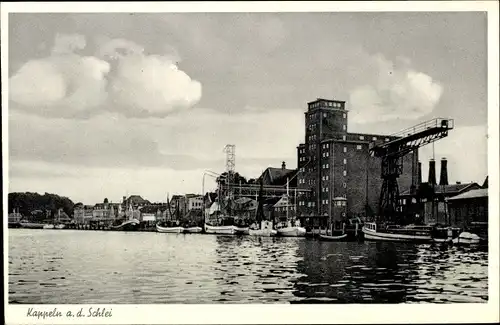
[38, 207]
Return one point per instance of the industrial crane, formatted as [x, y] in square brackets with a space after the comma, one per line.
[394, 148]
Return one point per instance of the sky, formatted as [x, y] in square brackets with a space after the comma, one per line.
[106, 105]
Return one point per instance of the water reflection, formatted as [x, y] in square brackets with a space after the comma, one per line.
[50, 266]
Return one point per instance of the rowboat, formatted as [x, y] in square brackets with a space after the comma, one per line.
[171, 230]
[333, 238]
[467, 238]
[241, 230]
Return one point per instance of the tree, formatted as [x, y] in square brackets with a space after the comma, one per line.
[44, 204]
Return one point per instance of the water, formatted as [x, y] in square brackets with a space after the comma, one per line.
[85, 267]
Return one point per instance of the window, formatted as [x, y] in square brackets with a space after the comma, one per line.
[324, 114]
[344, 185]
[327, 166]
[345, 161]
[345, 115]
[361, 137]
[374, 138]
[343, 137]
[359, 147]
[326, 201]
[345, 149]
[386, 139]
[344, 127]
[326, 177]
[345, 172]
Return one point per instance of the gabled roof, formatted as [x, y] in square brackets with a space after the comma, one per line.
[278, 176]
[472, 194]
[137, 199]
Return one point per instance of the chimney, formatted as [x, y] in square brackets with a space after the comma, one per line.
[443, 177]
[432, 172]
[283, 165]
[419, 173]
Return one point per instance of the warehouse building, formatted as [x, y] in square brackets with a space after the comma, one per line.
[344, 179]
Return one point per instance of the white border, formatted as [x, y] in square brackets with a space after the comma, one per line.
[233, 314]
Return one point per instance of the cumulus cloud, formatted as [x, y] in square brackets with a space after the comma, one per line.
[120, 78]
[396, 92]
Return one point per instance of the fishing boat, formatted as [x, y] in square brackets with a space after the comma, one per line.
[221, 230]
[48, 226]
[291, 227]
[127, 225]
[410, 233]
[172, 230]
[172, 226]
[265, 228]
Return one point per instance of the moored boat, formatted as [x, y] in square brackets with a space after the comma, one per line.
[221, 230]
[290, 229]
[60, 226]
[467, 238]
[48, 226]
[30, 225]
[172, 230]
[127, 225]
[193, 230]
[412, 233]
[265, 230]
[334, 237]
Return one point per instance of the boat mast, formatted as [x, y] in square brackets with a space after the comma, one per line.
[287, 197]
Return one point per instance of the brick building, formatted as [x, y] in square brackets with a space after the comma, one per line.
[336, 164]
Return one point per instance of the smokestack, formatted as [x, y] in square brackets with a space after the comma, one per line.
[443, 177]
[419, 173]
[432, 172]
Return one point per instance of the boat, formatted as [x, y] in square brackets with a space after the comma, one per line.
[193, 230]
[241, 230]
[220, 230]
[410, 233]
[48, 226]
[467, 238]
[60, 226]
[291, 229]
[127, 225]
[31, 225]
[172, 227]
[172, 230]
[339, 237]
[265, 228]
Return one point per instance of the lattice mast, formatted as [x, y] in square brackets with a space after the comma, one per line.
[230, 150]
[392, 152]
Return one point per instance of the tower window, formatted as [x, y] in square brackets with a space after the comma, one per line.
[343, 137]
[345, 161]
[345, 172]
[344, 127]
[345, 149]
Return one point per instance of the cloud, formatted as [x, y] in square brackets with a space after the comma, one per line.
[121, 78]
[189, 140]
[394, 91]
